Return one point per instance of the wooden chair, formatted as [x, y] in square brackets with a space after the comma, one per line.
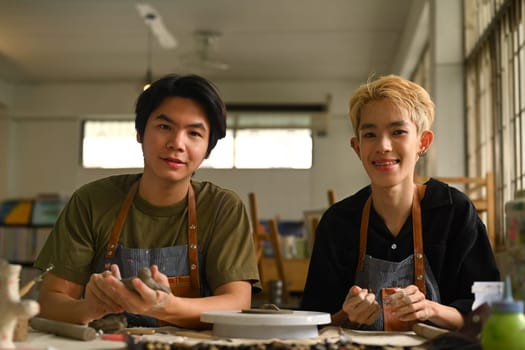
[331, 197]
[481, 192]
[260, 235]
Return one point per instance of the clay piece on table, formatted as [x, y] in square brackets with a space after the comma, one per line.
[110, 323]
[145, 276]
[10, 304]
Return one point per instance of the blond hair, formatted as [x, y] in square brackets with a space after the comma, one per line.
[403, 93]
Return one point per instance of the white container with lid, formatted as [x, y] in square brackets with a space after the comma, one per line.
[487, 292]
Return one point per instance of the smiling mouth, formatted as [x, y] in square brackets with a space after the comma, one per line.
[386, 163]
[173, 161]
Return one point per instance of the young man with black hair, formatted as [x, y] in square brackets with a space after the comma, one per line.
[113, 227]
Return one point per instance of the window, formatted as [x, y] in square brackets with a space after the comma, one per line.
[263, 149]
[113, 144]
[110, 145]
[495, 95]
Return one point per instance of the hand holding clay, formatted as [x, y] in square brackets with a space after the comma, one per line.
[145, 276]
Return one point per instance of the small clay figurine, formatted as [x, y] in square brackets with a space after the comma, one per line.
[10, 305]
[145, 276]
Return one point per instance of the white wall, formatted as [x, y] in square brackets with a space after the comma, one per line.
[4, 146]
[446, 31]
[46, 152]
[5, 137]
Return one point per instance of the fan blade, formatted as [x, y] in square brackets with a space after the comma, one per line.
[166, 40]
[154, 21]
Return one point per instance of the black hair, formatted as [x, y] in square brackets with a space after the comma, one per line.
[189, 86]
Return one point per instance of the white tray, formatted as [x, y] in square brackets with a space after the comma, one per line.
[294, 325]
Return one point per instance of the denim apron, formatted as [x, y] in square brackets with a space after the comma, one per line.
[180, 263]
[376, 274]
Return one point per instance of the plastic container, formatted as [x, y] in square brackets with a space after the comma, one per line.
[505, 327]
[487, 292]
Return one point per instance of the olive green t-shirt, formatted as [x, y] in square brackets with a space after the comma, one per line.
[80, 236]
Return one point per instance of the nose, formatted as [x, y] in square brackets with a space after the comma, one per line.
[176, 141]
[384, 144]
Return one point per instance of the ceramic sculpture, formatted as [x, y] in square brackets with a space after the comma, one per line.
[11, 305]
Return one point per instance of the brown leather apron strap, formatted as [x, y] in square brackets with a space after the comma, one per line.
[192, 240]
[419, 261]
[363, 233]
[121, 218]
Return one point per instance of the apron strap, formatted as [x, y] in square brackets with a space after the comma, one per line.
[121, 218]
[192, 240]
[417, 232]
[417, 236]
[363, 233]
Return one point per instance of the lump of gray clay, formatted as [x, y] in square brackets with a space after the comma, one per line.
[145, 276]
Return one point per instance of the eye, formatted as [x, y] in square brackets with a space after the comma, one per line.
[368, 135]
[164, 126]
[195, 133]
[399, 132]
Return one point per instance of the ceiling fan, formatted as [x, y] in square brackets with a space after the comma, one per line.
[203, 57]
[156, 25]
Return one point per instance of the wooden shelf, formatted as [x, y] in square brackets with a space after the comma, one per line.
[295, 271]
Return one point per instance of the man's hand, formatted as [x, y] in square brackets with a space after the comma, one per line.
[143, 300]
[99, 298]
[409, 304]
[361, 306]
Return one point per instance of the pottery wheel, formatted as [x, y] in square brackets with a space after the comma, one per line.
[292, 325]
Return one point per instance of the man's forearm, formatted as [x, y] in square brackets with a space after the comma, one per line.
[185, 312]
[60, 307]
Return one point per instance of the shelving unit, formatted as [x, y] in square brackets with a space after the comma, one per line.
[20, 244]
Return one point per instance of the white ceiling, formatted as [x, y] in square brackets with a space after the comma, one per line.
[103, 40]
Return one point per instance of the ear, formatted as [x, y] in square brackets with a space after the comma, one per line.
[354, 142]
[139, 139]
[425, 140]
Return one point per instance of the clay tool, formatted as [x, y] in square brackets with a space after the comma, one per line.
[200, 335]
[27, 287]
[113, 337]
[138, 331]
[63, 329]
[427, 331]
